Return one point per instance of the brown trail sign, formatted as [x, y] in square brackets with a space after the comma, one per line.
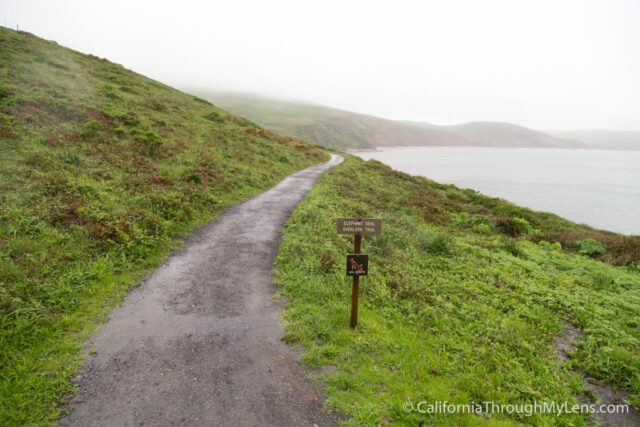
[362, 226]
[357, 263]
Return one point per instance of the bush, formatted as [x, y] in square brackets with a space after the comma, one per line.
[150, 141]
[511, 246]
[213, 116]
[634, 266]
[93, 131]
[482, 229]
[602, 280]
[437, 245]
[119, 131]
[590, 247]
[129, 119]
[514, 226]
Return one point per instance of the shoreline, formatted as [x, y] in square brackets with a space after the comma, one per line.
[574, 184]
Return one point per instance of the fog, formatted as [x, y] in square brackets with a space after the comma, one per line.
[543, 64]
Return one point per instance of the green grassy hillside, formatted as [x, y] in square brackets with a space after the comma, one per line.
[464, 302]
[335, 128]
[101, 172]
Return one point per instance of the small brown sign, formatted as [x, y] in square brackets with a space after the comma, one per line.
[357, 265]
[363, 226]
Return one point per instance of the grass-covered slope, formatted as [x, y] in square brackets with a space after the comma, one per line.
[464, 301]
[101, 170]
[330, 127]
[341, 129]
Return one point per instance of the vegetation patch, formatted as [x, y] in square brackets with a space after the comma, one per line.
[452, 312]
[590, 247]
[102, 172]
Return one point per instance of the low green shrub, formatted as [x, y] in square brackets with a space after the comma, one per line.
[440, 244]
[590, 247]
[482, 229]
[214, 116]
[93, 131]
[514, 227]
[512, 246]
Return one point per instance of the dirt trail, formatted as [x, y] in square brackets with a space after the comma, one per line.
[199, 343]
[605, 394]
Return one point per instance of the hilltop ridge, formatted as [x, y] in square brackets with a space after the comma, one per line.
[340, 129]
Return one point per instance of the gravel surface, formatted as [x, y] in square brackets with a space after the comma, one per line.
[200, 342]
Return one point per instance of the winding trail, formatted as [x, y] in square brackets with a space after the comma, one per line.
[200, 342]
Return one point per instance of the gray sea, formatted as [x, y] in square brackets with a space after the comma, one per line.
[600, 188]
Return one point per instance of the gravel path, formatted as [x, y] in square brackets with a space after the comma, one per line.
[200, 342]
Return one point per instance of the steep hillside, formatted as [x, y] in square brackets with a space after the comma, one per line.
[101, 172]
[469, 299]
[501, 134]
[342, 129]
[330, 127]
[609, 139]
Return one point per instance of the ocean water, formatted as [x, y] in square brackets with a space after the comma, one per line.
[600, 188]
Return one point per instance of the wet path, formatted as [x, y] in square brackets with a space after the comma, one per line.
[199, 343]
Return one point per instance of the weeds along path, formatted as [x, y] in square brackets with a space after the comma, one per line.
[200, 342]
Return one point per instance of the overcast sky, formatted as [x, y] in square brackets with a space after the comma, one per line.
[558, 64]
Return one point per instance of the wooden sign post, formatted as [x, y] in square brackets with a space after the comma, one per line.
[357, 263]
